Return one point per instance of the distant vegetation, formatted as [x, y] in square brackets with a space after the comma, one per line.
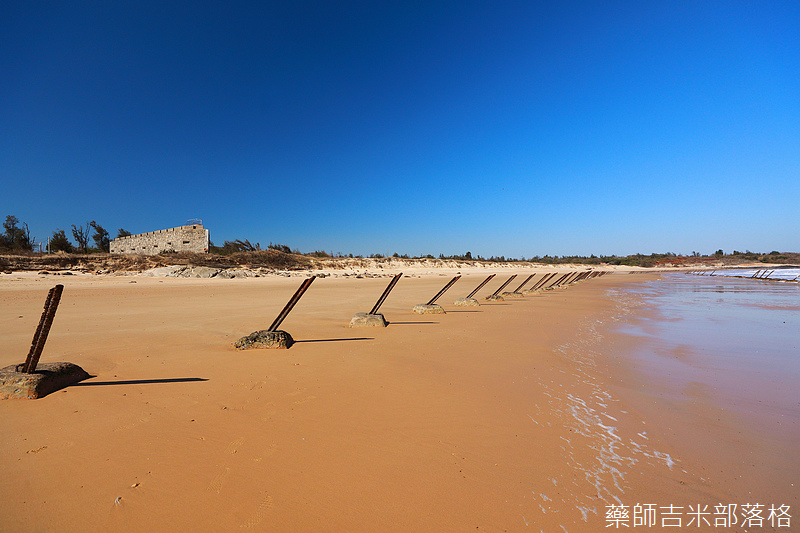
[91, 238]
[16, 238]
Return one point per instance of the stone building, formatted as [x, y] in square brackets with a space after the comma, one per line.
[193, 238]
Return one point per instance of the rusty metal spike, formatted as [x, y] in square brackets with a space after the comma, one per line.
[542, 281]
[546, 280]
[43, 329]
[385, 293]
[566, 278]
[294, 299]
[444, 290]
[557, 282]
[570, 278]
[503, 286]
[524, 282]
[479, 287]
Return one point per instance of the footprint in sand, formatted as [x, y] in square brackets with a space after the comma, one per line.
[217, 482]
[270, 410]
[304, 400]
[263, 508]
[132, 424]
[257, 385]
[233, 447]
[270, 450]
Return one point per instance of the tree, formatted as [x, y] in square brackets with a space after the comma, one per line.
[123, 233]
[60, 243]
[100, 237]
[11, 234]
[232, 247]
[81, 236]
[16, 236]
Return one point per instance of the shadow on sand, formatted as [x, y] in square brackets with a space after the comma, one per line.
[136, 382]
[338, 340]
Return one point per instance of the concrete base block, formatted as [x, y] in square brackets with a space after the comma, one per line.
[265, 339]
[494, 298]
[512, 295]
[432, 309]
[366, 320]
[466, 302]
[47, 378]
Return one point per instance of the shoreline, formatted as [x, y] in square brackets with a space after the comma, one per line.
[729, 439]
[497, 417]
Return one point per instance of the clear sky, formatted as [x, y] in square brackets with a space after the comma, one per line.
[501, 128]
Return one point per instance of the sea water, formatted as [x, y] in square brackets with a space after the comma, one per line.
[740, 338]
[723, 355]
[705, 347]
[781, 273]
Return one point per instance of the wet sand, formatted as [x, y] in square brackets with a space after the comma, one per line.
[716, 360]
[504, 417]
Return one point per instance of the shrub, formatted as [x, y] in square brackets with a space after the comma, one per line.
[60, 243]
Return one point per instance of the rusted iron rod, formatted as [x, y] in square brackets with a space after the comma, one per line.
[523, 283]
[543, 281]
[479, 287]
[557, 282]
[39, 327]
[570, 277]
[556, 276]
[552, 281]
[503, 286]
[444, 290]
[43, 329]
[385, 293]
[294, 299]
[566, 279]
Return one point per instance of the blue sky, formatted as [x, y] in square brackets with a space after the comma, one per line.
[501, 128]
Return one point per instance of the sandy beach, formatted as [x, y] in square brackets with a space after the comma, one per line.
[503, 417]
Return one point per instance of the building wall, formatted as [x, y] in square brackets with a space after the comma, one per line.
[192, 238]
